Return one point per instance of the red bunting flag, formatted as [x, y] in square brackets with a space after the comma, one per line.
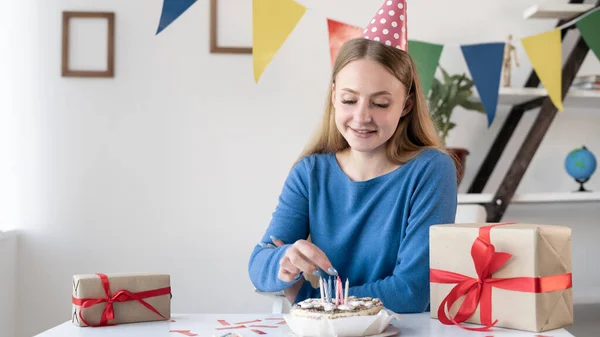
[339, 33]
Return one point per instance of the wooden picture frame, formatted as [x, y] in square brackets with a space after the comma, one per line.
[215, 48]
[110, 57]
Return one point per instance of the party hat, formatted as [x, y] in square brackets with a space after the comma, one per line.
[388, 26]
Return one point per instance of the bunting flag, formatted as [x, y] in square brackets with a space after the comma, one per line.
[274, 20]
[339, 33]
[589, 27]
[272, 23]
[426, 57]
[485, 65]
[171, 10]
[545, 53]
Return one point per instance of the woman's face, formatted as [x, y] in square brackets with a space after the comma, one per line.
[369, 102]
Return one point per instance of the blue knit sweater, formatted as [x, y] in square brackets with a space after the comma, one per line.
[374, 232]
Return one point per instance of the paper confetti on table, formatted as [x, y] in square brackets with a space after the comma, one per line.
[254, 321]
[233, 327]
[243, 325]
[184, 332]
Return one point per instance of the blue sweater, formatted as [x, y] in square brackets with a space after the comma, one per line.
[374, 232]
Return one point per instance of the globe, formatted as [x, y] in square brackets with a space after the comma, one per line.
[580, 164]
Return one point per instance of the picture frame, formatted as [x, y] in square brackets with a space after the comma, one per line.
[215, 48]
[67, 16]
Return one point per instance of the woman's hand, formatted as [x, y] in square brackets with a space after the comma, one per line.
[302, 256]
[305, 257]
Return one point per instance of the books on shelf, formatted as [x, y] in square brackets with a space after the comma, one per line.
[586, 82]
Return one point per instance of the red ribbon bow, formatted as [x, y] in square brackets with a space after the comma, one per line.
[479, 290]
[120, 296]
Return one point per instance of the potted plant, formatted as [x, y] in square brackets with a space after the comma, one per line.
[444, 96]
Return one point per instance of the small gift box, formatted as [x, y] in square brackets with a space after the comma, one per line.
[100, 299]
[507, 275]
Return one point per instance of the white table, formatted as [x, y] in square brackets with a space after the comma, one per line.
[203, 325]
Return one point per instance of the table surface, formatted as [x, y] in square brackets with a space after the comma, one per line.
[207, 325]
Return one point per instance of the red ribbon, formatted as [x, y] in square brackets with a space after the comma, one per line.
[120, 296]
[479, 290]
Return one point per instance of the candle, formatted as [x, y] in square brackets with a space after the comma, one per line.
[337, 294]
[326, 285]
[346, 294]
[329, 291]
[341, 290]
[321, 288]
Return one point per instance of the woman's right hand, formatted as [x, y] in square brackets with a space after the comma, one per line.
[303, 256]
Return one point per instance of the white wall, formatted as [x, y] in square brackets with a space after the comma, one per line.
[8, 283]
[175, 165]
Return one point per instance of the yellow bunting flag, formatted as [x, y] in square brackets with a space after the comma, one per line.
[545, 53]
[272, 23]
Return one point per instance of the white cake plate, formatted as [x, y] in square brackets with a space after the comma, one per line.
[390, 331]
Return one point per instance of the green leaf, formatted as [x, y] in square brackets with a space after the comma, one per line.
[447, 78]
[473, 105]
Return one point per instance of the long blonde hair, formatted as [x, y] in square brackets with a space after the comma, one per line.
[415, 131]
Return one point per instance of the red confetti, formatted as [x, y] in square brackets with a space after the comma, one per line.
[263, 326]
[258, 332]
[233, 327]
[254, 321]
[224, 322]
[184, 332]
[172, 320]
[282, 322]
[274, 318]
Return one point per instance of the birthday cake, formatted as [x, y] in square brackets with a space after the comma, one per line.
[317, 308]
[337, 314]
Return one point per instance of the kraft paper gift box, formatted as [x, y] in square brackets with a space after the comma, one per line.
[526, 273]
[107, 299]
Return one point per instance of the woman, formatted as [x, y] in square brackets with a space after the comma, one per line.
[366, 189]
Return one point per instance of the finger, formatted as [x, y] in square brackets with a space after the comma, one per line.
[297, 259]
[286, 266]
[316, 256]
[285, 276]
[276, 241]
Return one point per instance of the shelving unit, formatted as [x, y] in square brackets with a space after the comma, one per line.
[575, 98]
[556, 11]
[533, 96]
[531, 198]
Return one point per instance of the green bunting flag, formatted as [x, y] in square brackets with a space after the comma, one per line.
[426, 57]
[589, 26]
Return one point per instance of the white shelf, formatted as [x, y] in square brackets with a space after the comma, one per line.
[555, 197]
[576, 98]
[556, 11]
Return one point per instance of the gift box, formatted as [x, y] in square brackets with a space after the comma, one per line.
[507, 275]
[108, 299]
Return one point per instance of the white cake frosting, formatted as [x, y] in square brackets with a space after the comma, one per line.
[316, 307]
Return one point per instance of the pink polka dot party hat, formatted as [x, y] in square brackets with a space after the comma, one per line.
[388, 26]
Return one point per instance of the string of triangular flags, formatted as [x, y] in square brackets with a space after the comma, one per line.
[274, 20]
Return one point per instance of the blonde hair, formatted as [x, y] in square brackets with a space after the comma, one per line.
[415, 131]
